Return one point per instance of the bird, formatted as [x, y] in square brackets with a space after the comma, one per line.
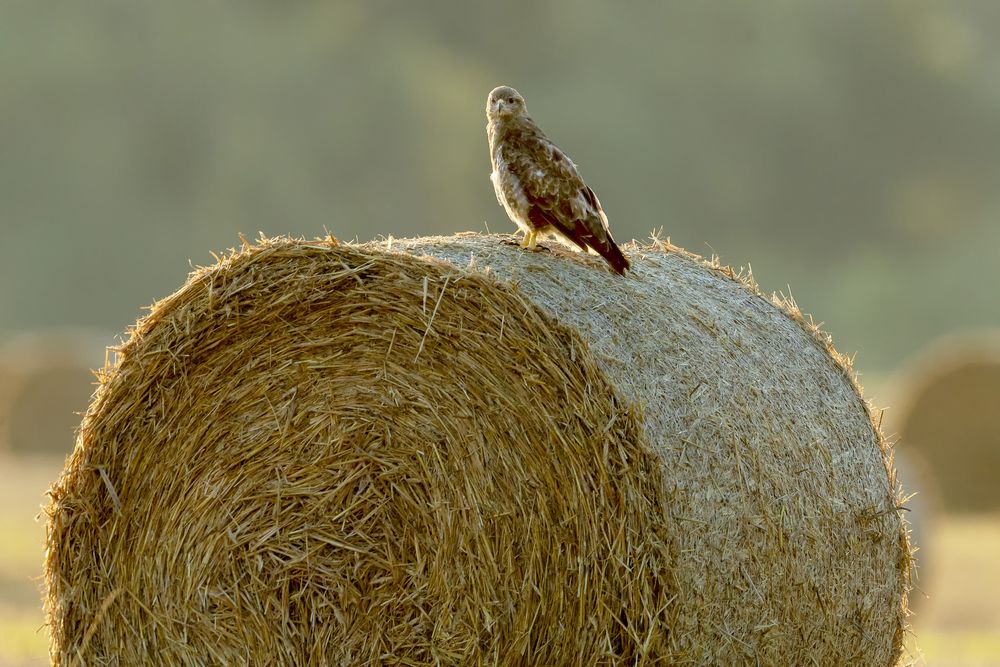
[539, 186]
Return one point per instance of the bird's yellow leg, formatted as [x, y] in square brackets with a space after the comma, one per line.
[529, 240]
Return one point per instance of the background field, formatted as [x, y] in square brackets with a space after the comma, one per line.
[847, 152]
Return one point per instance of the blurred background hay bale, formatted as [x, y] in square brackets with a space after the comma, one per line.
[330, 454]
[948, 412]
[924, 517]
[46, 382]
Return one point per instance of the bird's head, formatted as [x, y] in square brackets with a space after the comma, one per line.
[504, 101]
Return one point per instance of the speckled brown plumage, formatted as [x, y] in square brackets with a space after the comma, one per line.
[539, 186]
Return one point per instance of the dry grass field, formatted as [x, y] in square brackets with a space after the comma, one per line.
[958, 624]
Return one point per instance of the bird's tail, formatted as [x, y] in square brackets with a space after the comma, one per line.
[613, 255]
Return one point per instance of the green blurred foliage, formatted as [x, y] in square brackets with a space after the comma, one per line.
[848, 150]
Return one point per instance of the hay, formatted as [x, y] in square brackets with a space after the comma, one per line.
[316, 453]
[946, 412]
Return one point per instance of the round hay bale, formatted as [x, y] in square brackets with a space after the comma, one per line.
[9, 382]
[47, 383]
[453, 451]
[947, 413]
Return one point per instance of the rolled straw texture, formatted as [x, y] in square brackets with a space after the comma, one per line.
[452, 451]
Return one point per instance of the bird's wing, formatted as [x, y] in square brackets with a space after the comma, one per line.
[558, 197]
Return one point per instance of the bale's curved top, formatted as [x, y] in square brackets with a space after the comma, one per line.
[780, 483]
[331, 454]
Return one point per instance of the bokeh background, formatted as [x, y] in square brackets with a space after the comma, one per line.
[848, 153]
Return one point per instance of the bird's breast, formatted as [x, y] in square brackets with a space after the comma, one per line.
[508, 185]
[510, 193]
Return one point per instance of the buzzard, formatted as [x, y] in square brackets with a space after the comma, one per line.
[539, 185]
